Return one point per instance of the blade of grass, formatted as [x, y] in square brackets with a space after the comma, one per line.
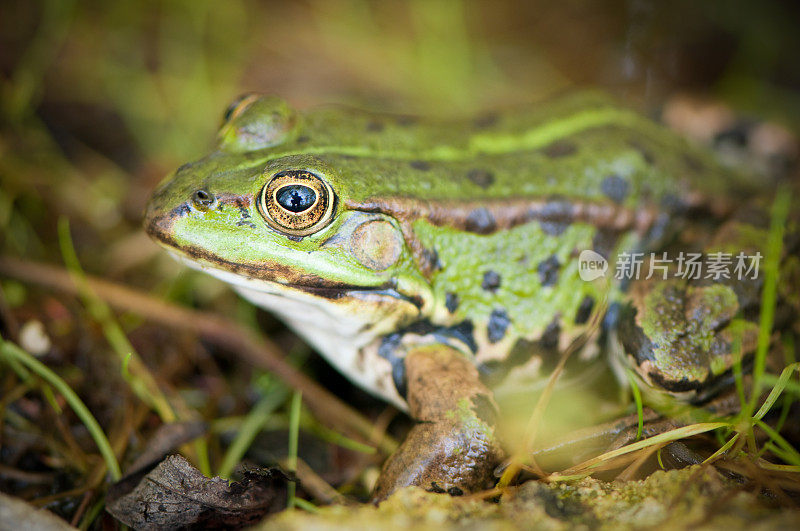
[243, 343]
[788, 398]
[294, 433]
[637, 398]
[669, 436]
[535, 420]
[12, 351]
[92, 514]
[778, 468]
[772, 256]
[722, 449]
[306, 505]
[251, 426]
[333, 436]
[791, 386]
[780, 385]
[787, 451]
[141, 380]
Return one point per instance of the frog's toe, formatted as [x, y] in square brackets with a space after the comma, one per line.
[446, 457]
[684, 337]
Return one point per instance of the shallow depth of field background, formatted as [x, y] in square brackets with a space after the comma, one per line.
[99, 100]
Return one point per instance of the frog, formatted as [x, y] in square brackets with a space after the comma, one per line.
[431, 260]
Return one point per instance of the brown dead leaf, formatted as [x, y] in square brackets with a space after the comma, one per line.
[177, 495]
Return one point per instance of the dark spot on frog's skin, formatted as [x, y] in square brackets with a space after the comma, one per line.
[558, 208]
[182, 210]
[480, 221]
[487, 120]
[455, 491]
[658, 229]
[388, 351]
[557, 214]
[491, 281]
[673, 203]
[498, 325]
[451, 302]
[463, 331]
[522, 351]
[604, 241]
[584, 310]
[482, 178]
[420, 165]
[303, 139]
[643, 151]
[431, 257]
[375, 127]
[737, 136]
[559, 149]
[549, 339]
[435, 488]
[245, 219]
[615, 188]
[611, 317]
[548, 271]
[484, 409]
[553, 228]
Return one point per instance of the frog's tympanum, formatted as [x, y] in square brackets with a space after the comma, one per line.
[429, 261]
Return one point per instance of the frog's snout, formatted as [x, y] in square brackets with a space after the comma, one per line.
[160, 213]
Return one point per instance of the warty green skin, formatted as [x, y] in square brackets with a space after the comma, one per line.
[425, 180]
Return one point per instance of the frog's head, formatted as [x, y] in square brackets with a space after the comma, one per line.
[267, 216]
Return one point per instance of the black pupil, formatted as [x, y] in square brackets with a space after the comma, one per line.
[296, 197]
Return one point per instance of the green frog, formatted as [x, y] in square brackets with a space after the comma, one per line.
[431, 261]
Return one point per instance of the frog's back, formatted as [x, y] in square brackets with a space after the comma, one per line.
[582, 146]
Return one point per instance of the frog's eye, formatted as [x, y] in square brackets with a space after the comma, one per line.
[296, 202]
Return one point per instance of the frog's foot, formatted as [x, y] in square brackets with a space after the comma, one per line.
[684, 336]
[453, 449]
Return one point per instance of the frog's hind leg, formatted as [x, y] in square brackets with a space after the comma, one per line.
[453, 449]
[684, 334]
[683, 337]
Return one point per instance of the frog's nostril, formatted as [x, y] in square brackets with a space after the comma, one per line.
[203, 199]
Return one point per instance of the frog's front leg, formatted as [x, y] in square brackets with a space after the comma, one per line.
[453, 447]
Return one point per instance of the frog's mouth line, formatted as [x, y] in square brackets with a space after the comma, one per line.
[210, 263]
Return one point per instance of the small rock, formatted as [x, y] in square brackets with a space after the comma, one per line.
[33, 338]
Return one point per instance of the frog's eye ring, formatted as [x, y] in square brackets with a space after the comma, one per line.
[296, 202]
